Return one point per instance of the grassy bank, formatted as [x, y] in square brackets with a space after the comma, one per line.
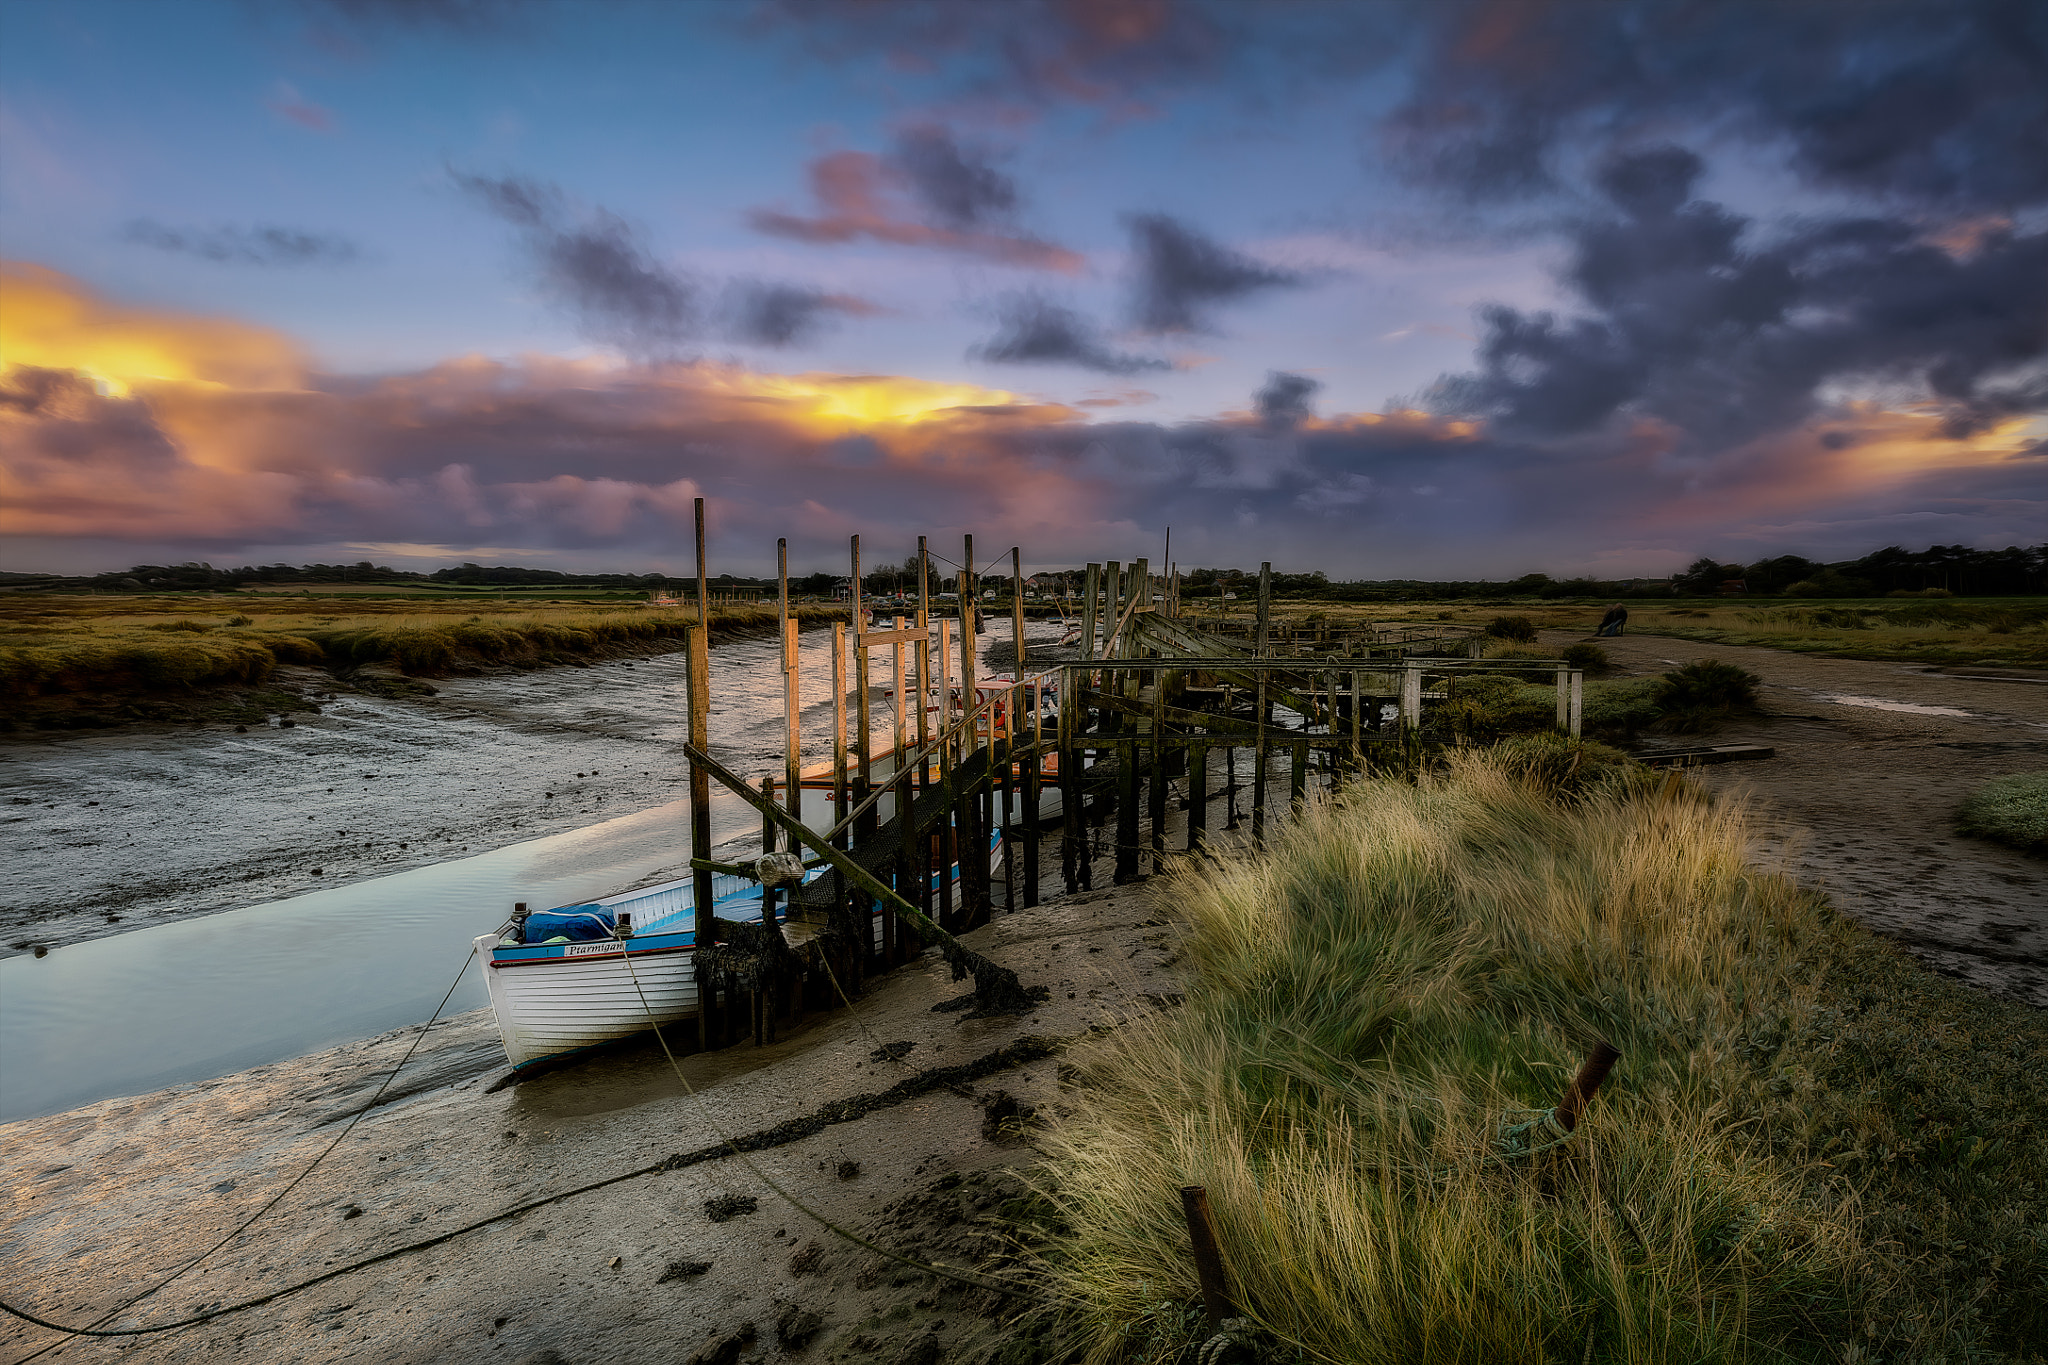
[1811, 1150]
[59, 655]
[2001, 631]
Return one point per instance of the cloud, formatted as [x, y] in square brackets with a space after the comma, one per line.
[1182, 275]
[1283, 402]
[259, 244]
[929, 192]
[1723, 333]
[962, 189]
[1121, 55]
[200, 447]
[1037, 331]
[1933, 104]
[53, 321]
[595, 268]
[288, 103]
[763, 313]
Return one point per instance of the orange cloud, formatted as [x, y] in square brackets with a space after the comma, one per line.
[55, 322]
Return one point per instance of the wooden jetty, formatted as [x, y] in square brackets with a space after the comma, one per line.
[1116, 753]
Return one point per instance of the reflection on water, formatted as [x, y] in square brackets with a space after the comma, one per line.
[201, 998]
[1910, 708]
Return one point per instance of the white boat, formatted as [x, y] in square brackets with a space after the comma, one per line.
[561, 995]
[622, 964]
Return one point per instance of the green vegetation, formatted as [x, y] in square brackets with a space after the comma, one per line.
[2013, 810]
[1519, 629]
[1697, 696]
[1812, 1149]
[1992, 632]
[1587, 656]
[1483, 708]
[58, 655]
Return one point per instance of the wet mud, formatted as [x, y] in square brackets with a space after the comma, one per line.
[112, 831]
[893, 1145]
[1873, 760]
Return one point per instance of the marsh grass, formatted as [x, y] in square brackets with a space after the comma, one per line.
[1927, 630]
[2013, 810]
[1935, 631]
[1408, 968]
[127, 647]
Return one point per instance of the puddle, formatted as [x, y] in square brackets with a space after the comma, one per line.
[1907, 707]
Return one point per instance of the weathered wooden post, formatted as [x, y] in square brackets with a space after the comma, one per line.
[792, 731]
[1262, 640]
[1577, 713]
[1411, 696]
[1156, 811]
[1209, 1272]
[948, 761]
[699, 645]
[764, 977]
[1032, 766]
[840, 804]
[1089, 594]
[1017, 606]
[1580, 1092]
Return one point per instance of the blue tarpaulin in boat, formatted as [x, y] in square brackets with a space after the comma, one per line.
[577, 923]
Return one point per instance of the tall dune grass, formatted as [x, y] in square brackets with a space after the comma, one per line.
[1408, 969]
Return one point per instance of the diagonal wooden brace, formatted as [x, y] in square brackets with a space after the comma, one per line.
[995, 986]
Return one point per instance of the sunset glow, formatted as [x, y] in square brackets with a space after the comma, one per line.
[1065, 275]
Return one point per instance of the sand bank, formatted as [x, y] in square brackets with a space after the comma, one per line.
[104, 1199]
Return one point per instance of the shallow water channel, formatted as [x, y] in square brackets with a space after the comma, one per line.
[213, 993]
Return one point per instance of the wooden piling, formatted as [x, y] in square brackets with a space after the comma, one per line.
[1260, 648]
[792, 730]
[1157, 791]
[1209, 1272]
[699, 694]
[1017, 607]
[1580, 1092]
[1089, 594]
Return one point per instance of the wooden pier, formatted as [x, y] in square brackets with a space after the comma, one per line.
[1162, 730]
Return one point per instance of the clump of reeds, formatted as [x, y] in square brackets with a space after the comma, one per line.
[2011, 809]
[1410, 967]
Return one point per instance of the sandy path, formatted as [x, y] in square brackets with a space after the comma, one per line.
[106, 1197]
[1862, 801]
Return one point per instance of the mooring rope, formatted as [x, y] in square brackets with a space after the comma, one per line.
[357, 1117]
[95, 1329]
[820, 1219]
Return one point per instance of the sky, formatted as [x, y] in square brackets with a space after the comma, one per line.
[1392, 290]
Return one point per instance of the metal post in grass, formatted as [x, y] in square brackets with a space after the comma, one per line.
[1194, 1202]
[1580, 1092]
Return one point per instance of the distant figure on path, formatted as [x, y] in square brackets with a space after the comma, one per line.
[1613, 621]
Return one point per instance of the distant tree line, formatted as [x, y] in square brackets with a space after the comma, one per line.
[1952, 569]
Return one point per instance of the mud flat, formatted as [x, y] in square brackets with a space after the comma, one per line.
[112, 831]
[1873, 760]
[106, 1199]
